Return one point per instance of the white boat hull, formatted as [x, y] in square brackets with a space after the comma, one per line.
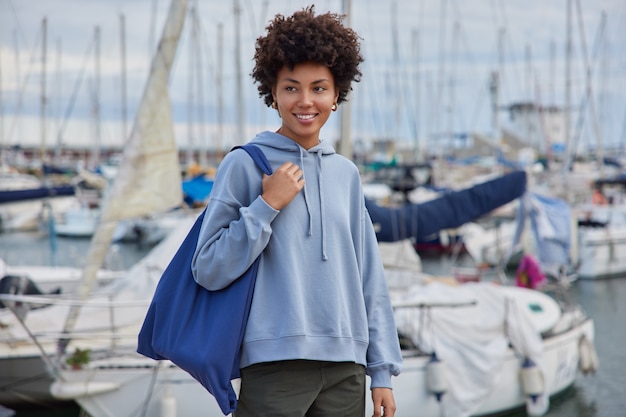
[561, 357]
[111, 319]
[134, 385]
[601, 252]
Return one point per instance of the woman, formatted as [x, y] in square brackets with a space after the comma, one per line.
[321, 318]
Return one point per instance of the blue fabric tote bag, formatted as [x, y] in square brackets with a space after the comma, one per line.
[201, 331]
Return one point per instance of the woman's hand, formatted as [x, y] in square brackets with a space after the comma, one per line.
[282, 186]
[383, 399]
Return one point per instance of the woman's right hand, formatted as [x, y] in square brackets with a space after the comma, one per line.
[282, 186]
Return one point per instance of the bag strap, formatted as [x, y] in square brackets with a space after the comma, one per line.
[257, 156]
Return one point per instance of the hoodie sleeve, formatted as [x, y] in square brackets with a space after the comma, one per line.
[236, 226]
[384, 357]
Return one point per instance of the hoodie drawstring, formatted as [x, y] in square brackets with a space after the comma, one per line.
[319, 154]
[322, 205]
[306, 195]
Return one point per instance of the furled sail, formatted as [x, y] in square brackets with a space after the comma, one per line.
[149, 178]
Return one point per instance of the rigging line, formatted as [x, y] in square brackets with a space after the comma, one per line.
[494, 14]
[369, 94]
[152, 29]
[253, 22]
[17, 21]
[207, 46]
[200, 101]
[506, 36]
[397, 65]
[587, 97]
[623, 135]
[588, 72]
[263, 18]
[373, 86]
[1, 110]
[413, 94]
[151, 386]
[18, 107]
[468, 57]
[514, 68]
[499, 26]
[70, 106]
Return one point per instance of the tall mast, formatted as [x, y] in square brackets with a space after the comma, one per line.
[58, 93]
[589, 89]
[123, 107]
[345, 141]
[451, 79]
[220, 90]
[568, 85]
[42, 108]
[417, 121]
[440, 87]
[197, 42]
[96, 100]
[1, 114]
[241, 116]
[191, 140]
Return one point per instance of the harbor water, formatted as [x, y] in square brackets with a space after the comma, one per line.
[599, 395]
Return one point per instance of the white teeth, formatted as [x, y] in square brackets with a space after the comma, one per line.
[305, 116]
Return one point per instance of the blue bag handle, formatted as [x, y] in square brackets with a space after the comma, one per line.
[258, 156]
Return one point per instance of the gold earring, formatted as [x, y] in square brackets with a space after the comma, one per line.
[334, 107]
[274, 105]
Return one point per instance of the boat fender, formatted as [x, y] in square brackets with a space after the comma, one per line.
[532, 380]
[168, 405]
[436, 376]
[587, 356]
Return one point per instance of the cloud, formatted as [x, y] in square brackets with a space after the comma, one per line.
[479, 37]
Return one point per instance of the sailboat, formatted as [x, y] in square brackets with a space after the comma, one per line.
[36, 344]
[120, 382]
[483, 317]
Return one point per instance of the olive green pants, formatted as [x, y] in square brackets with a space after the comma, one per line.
[302, 388]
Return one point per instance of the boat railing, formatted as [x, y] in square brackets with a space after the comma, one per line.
[65, 301]
[428, 305]
[110, 337]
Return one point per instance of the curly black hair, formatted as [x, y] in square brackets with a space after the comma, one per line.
[305, 37]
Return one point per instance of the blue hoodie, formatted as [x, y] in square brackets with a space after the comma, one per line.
[321, 292]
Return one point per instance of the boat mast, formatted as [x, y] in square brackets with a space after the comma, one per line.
[345, 141]
[42, 107]
[197, 44]
[123, 108]
[417, 120]
[191, 141]
[589, 88]
[241, 116]
[220, 91]
[95, 157]
[568, 87]
[58, 93]
[1, 117]
[438, 109]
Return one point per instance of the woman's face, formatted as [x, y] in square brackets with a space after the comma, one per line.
[305, 97]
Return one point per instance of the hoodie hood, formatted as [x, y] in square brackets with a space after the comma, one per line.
[283, 143]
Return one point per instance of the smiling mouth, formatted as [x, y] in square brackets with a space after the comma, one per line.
[305, 116]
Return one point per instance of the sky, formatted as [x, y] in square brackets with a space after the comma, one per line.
[426, 75]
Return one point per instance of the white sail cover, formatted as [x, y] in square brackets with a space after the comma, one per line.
[474, 340]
